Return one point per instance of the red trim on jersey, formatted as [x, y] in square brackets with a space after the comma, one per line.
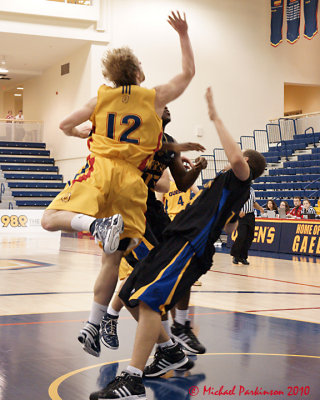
[144, 162]
[85, 176]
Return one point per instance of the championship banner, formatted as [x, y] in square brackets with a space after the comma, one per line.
[276, 22]
[293, 20]
[310, 18]
[267, 234]
[300, 237]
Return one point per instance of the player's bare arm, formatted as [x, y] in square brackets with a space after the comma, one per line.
[233, 152]
[174, 88]
[185, 179]
[70, 123]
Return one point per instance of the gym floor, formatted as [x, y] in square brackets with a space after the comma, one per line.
[259, 323]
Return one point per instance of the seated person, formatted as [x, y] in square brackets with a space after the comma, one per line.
[296, 211]
[271, 206]
[284, 205]
[307, 208]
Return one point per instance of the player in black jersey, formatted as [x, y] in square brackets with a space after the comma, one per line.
[186, 253]
[157, 221]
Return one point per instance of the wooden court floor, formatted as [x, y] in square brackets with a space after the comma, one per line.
[259, 323]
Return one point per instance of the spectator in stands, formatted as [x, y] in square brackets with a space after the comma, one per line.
[19, 115]
[19, 129]
[307, 208]
[285, 205]
[271, 206]
[296, 211]
[9, 115]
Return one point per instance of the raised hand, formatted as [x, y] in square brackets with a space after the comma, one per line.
[178, 23]
[200, 163]
[211, 107]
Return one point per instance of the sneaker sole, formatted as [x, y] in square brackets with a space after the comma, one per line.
[133, 397]
[185, 346]
[108, 345]
[169, 368]
[86, 347]
[113, 237]
[186, 367]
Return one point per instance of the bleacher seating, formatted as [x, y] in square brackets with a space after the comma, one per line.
[300, 177]
[29, 173]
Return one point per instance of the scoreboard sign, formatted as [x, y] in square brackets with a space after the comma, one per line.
[285, 236]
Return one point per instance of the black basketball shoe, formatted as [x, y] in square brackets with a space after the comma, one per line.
[183, 334]
[166, 359]
[125, 387]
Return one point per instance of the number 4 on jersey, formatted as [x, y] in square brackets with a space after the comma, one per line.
[180, 201]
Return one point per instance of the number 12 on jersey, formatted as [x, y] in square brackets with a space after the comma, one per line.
[133, 122]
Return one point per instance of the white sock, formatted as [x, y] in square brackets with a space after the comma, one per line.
[166, 344]
[166, 326]
[134, 371]
[81, 222]
[97, 312]
[181, 316]
[112, 311]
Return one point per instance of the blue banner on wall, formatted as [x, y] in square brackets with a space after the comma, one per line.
[310, 18]
[285, 236]
[293, 20]
[276, 22]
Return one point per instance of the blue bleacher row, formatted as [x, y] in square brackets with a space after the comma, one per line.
[28, 168]
[298, 142]
[44, 181]
[288, 178]
[276, 194]
[295, 171]
[23, 144]
[26, 160]
[31, 177]
[16, 152]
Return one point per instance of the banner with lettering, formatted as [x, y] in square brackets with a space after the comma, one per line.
[267, 235]
[300, 238]
[285, 236]
[276, 22]
[310, 18]
[293, 20]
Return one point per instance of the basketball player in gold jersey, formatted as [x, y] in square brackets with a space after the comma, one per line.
[175, 200]
[108, 197]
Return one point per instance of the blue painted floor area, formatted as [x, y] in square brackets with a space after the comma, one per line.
[246, 353]
[269, 254]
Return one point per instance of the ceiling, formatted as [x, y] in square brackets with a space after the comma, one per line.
[27, 55]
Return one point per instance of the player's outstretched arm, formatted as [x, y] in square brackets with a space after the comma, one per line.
[233, 152]
[69, 124]
[177, 85]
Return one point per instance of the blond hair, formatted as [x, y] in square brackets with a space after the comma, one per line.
[120, 66]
